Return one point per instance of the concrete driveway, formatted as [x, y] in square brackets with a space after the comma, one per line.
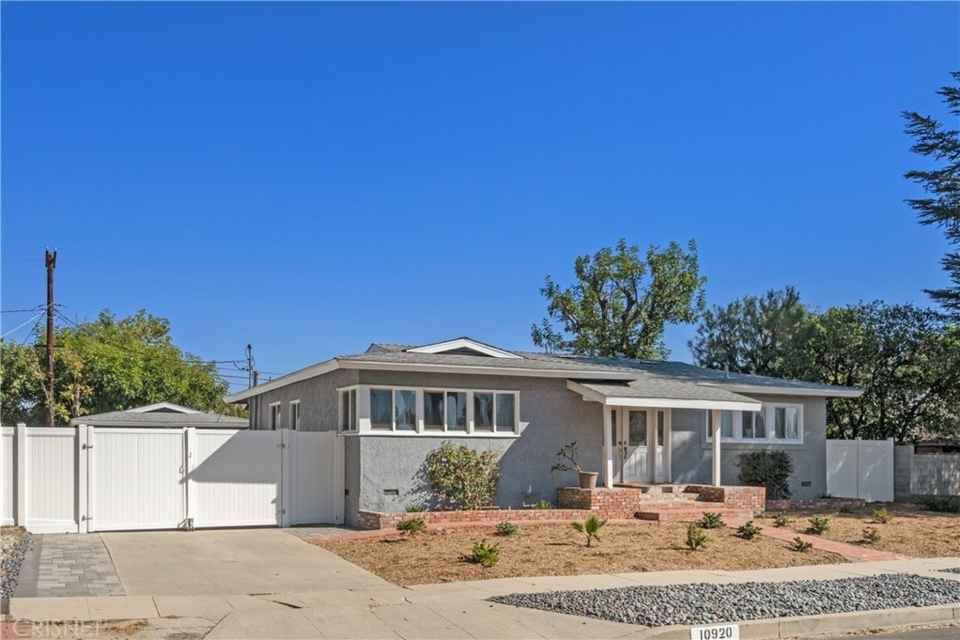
[241, 562]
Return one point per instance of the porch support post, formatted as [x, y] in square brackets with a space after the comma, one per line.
[607, 447]
[715, 425]
[652, 446]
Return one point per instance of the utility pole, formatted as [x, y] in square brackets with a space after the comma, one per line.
[50, 258]
[250, 377]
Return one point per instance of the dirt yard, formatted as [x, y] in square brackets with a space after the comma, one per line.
[912, 531]
[557, 550]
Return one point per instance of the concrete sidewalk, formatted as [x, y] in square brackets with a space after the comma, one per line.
[455, 610]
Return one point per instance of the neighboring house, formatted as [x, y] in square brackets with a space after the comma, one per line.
[161, 414]
[393, 404]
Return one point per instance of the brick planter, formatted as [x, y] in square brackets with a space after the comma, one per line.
[379, 520]
[822, 504]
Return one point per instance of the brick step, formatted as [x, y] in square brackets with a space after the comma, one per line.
[676, 514]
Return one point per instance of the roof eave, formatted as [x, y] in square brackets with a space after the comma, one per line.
[746, 404]
[832, 392]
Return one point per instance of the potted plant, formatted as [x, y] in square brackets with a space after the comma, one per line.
[568, 462]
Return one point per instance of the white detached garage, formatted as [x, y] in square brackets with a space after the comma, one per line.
[123, 473]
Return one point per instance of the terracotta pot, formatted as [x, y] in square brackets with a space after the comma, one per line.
[588, 479]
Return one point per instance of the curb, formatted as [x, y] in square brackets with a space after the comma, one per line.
[832, 623]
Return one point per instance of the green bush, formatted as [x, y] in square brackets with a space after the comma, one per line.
[941, 504]
[770, 469]
[800, 545]
[507, 529]
[485, 555]
[589, 528]
[781, 520]
[411, 526]
[711, 520]
[748, 531]
[870, 535]
[818, 525]
[696, 537]
[881, 516]
[543, 504]
[462, 477]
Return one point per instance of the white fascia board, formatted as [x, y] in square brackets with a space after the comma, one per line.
[672, 403]
[464, 343]
[163, 405]
[833, 392]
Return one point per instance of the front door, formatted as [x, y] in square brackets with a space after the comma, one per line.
[632, 433]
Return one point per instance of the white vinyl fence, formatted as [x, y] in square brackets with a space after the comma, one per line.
[88, 479]
[860, 469]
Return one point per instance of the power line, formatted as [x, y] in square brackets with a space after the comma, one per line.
[36, 308]
[23, 324]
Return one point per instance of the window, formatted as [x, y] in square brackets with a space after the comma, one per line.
[405, 410]
[295, 415]
[482, 411]
[456, 411]
[506, 419]
[275, 409]
[637, 428]
[381, 409]
[433, 410]
[348, 410]
[785, 420]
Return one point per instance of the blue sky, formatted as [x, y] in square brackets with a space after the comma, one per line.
[311, 177]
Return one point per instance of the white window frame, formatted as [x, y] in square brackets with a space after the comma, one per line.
[393, 408]
[275, 419]
[365, 427]
[296, 418]
[351, 424]
[768, 410]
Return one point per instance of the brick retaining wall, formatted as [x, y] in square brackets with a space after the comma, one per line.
[823, 504]
[377, 520]
[626, 499]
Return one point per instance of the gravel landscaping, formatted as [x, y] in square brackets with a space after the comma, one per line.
[14, 542]
[951, 570]
[714, 603]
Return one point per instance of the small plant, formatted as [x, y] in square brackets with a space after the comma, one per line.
[485, 555]
[846, 508]
[568, 458]
[781, 520]
[543, 504]
[507, 529]
[870, 535]
[711, 520]
[411, 526]
[881, 516]
[589, 528]
[800, 545]
[415, 508]
[696, 537]
[748, 531]
[941, 504]
[818, 525]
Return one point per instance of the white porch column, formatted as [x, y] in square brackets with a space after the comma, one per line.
[667, 445]
[715, 425]
[607, 447]
[652, 446]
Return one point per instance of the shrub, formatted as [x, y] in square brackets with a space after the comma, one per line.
[543, 504]
[846, 508]
[770, 469]
[818, 525]
[485, 555]
[941, 504]
[800, 545]
[696, 537]
[415, 508]
[871, 535]
[882, 516]
[748, 531]
[589, 528]
[411, 526]
[568, 459]
[461, 477]
[507, 529]
[781, 520]
[711, 520]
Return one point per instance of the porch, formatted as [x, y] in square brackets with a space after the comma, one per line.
[637, 430]
[666, 502]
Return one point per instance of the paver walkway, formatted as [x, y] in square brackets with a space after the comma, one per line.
[852, 552]
[65, 565]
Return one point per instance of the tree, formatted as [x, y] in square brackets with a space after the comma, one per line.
[942, 206]
[109, 364]
[620, 304]
[753, 334]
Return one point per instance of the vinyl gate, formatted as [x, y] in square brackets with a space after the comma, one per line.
[86, 479]
[860, 469]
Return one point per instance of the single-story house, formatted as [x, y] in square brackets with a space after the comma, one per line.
[161, 414]
[634, 421]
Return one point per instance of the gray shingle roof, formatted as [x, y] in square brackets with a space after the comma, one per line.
[651, 387]
[160, 419]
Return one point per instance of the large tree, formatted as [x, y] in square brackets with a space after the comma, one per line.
[755, 334]
[107, 365]
[621, 302]
[941, 207]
